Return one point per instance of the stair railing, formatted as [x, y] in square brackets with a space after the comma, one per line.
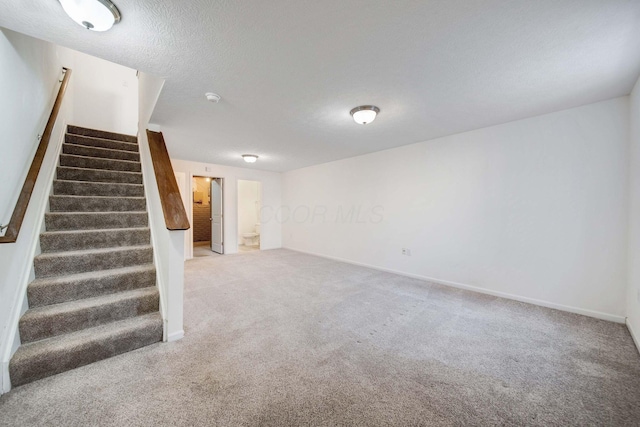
[175, 216]
[15, 223]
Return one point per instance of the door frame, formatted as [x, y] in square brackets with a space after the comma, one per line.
[221, 214]
[239, 240]
[190, 211]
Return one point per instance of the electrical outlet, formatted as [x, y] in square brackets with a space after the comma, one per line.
[406, 251]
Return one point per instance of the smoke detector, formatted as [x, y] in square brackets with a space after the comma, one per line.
[212, 97]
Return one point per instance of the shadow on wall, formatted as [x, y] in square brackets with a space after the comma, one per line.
[105, 95]
[110, 111]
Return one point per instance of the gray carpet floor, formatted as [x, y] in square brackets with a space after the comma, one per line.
[277, 338]
[203, 249]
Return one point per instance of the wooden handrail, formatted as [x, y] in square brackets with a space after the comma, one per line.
[175, 217]
[15, 223]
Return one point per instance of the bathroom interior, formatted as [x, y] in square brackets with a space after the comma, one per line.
[249, 206]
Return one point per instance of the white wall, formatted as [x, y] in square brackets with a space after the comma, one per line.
[271, 230]
[105, 95]
[29, 73]
[534, 209]
[248, 213]
[633, 290]
[30, 70]
[168, 245]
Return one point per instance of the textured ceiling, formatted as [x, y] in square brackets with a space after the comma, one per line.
[290, 71]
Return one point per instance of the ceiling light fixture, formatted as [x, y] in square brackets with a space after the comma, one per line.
[364, 114]
[250, 158]
[94, 15]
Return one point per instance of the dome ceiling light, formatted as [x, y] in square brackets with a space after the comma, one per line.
[364, 114]
[250, 158]
[94, 15]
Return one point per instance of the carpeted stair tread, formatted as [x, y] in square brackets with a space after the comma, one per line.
[98, 175]
[102, 153]
[98, 163]
[63, 263]
[53, 320]
[78, 130]
[94, 295]
[84, 188]
[58, 354]
[91, 141]
[96, 204]
[56, 221]
[55, 290]
[75, 240]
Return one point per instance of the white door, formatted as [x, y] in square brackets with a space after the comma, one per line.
[216, 216]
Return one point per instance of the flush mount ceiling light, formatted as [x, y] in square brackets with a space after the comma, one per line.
[364, 114]
[94, 15]
[250, 158]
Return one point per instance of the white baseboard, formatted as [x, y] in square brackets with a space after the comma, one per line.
[542, 303]
[175, 336]
[636, 338]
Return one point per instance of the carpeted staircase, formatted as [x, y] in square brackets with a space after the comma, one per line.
[94, 295]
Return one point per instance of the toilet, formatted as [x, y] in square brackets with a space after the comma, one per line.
[252, 239]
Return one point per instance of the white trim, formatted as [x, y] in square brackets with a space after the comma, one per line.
[238, 237]
[542, 303]
[5, 384]
[636, 338]
[189, 244]
[175, 336]
[168, 250]
[189, 208]
[144, 151]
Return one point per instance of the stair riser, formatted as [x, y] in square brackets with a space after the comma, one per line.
[79, 188]
[63, 359]
[94, 239]
[93, 163]
[95, 221]
[83, 262]
[75, 130]
[102, 153]
[96, 204]
[94, 175]
[34, 329]
[100, 143]
[94, 295]
[72, 290]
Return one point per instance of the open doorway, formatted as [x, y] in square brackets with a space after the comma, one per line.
[249, 206]
[207, 199]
